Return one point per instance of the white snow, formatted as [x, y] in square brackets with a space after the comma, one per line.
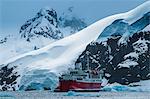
[104, 82]
[62, 54]
[140, 46]
[137, 13]
[16, 46]
[107, 75]
[132, 54]
[142, 86]
[127, 63]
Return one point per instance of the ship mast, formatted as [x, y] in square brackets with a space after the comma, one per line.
[88, 65]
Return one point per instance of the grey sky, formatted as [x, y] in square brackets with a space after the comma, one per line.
[14, 13]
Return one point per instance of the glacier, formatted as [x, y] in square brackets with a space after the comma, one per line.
[58, 56]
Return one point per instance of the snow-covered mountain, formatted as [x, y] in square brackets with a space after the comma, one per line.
[45, 23]
[44, 28]
[41, 68]
[48, 24]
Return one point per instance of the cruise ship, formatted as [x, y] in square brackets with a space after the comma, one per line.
[80, 80]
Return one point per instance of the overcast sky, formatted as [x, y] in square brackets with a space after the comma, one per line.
[14, 13]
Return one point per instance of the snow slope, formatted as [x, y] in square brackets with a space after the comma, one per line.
[137, 13]
[60, 55]
[133, 22]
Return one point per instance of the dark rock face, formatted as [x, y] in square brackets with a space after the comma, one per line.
[8, 78]
[3, 40]
[122, 63]
[96, 50]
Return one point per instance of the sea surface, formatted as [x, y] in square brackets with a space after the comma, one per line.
[72, 95]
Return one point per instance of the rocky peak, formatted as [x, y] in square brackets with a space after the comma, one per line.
[48, 13]
[43, 24]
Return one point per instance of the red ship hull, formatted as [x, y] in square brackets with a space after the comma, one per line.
[72, 85]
